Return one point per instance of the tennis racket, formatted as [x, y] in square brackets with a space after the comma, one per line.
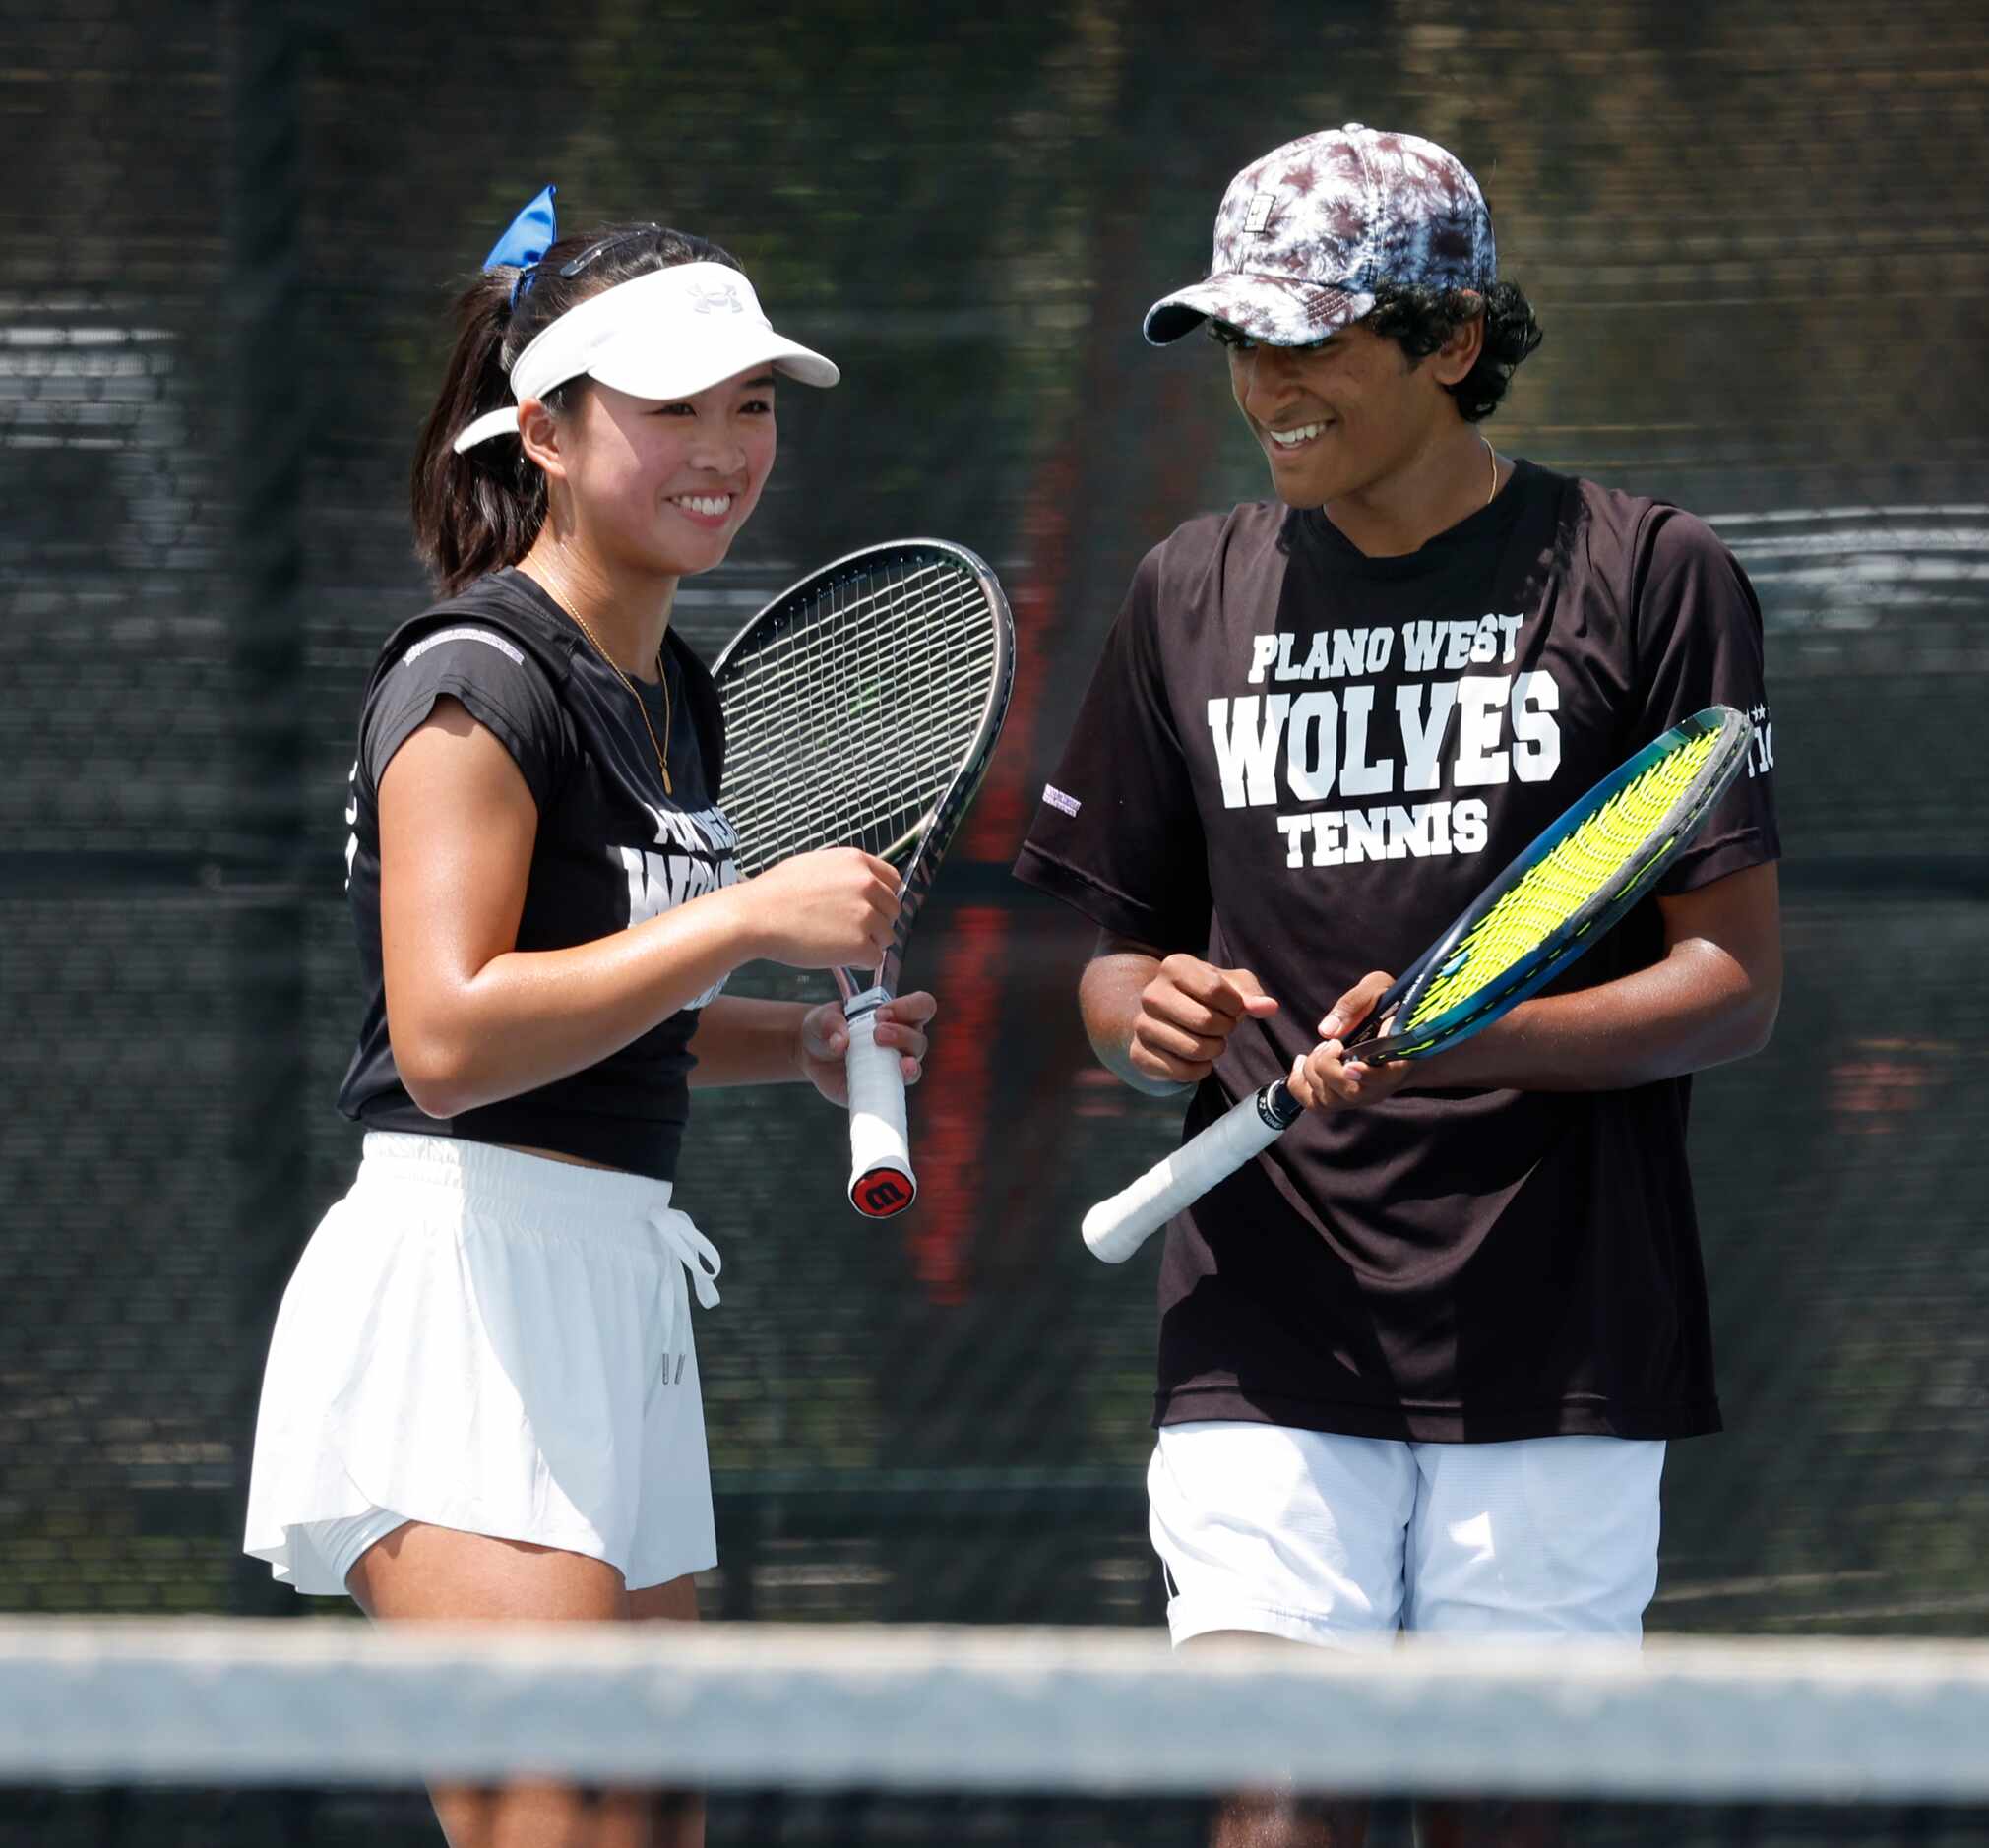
[861, 709]
[1556, 900]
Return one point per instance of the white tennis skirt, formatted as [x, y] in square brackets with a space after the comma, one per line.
[493, 1343]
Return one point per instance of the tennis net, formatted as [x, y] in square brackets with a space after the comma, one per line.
[111, 1730]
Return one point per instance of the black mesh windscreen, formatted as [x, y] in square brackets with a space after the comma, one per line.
[1759, 244]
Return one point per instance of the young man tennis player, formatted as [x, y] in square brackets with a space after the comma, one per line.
[1419, 1362]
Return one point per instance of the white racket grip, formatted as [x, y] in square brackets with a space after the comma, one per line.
[881, 1181]
[1116, 1228]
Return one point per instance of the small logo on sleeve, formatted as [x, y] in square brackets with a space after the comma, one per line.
[1056, 798]
[1760, 751]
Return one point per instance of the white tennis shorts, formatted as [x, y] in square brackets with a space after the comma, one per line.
[493, 1343]
[1344, 1541]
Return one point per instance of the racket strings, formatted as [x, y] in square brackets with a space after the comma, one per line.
[853, 716]
[907, 763]
[771, 726]
[824, 612]
[1584, 864]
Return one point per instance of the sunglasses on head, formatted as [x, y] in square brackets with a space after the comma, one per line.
[593, 254]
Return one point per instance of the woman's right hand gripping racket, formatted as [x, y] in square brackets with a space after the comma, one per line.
[1556, 900]
[861, 709]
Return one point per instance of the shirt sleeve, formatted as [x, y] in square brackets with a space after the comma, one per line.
[1117, 835]
[501, 687]
[1698, 640]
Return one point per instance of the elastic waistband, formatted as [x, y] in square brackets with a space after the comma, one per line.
[503, 1182]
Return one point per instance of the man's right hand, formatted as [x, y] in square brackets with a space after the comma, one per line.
[1186, 1012]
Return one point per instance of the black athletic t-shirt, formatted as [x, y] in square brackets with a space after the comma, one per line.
[1304, 761]
[613, 848]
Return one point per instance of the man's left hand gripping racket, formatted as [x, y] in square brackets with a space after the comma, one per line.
[861, 709]
[1556, 900]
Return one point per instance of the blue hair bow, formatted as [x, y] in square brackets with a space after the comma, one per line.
[526, 239]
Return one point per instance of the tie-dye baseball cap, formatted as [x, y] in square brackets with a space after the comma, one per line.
[1307, 231]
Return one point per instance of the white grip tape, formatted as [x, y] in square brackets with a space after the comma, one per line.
[1116, 1228]
[881, 1181]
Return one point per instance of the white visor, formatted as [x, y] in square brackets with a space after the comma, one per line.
[663, 336]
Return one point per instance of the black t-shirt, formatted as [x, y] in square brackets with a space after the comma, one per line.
[1304, 761]
[613, 848]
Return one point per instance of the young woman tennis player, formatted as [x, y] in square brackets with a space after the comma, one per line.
[481, 1398]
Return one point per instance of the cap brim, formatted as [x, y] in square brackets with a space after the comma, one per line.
[1279, 311]
[672, 369]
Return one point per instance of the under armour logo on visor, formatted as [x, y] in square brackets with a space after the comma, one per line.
[720, 295]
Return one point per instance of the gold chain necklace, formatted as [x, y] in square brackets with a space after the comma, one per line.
[642, 706]
[1493, 490]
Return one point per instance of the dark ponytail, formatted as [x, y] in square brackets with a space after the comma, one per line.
[479, 512]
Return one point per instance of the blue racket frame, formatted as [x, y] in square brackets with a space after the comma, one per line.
[1532, 972]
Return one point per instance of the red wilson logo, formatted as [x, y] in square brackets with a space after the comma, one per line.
[882, 1195]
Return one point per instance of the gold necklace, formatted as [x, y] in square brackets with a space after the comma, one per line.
[1491, 493]
[642, 707]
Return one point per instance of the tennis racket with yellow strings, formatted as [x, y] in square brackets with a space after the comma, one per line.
[1555, 901]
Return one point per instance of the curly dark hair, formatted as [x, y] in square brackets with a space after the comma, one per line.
[1419, 318]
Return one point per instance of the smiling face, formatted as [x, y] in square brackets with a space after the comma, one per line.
[1343, 417]
[660, 489]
